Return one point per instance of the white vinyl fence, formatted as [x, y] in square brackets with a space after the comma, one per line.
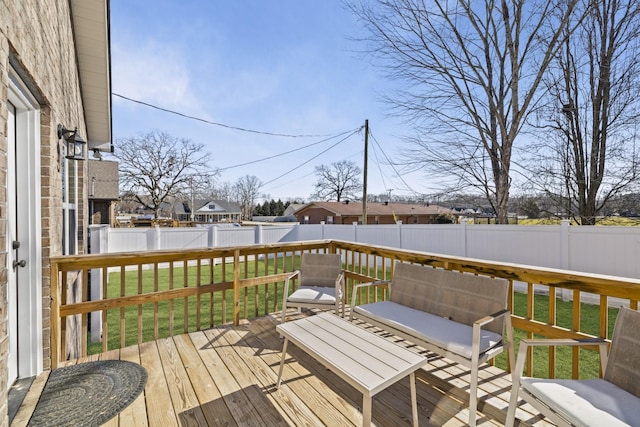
[603, 250]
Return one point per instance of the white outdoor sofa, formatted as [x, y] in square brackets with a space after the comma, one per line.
[460, 316]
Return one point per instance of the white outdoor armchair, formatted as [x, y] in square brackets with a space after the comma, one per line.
[321, 284]
[613, 400]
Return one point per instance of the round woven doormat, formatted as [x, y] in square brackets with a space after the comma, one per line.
[88, 394]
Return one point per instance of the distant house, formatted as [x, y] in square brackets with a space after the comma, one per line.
[377, 213]
[103, 191]
[210, 211]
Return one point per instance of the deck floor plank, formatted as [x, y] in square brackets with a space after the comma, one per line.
[185, 401]
[134, 415]
[160, 410]
[237, 401]
[115, 355]
[214, 408]
[290, 403]
[245, 378]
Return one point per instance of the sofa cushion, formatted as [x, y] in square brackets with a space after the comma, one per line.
[442, 332]
[314, 294]
[594, 402]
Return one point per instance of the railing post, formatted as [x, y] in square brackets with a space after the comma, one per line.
[55, 316]
[236, 287]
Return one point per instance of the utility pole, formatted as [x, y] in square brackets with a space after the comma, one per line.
[364, 180]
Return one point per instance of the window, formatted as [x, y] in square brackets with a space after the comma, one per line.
[69, 205]
[329, 219]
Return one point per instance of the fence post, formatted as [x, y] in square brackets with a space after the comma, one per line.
[564, 244]
[463, 237]
[258, 234]
[355, 231]
[99, 235]
[321, 230]
[153, 237]
[399, 224]
[213, 236]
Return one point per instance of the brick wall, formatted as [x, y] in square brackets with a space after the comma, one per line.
[4, 338]
[37, 34]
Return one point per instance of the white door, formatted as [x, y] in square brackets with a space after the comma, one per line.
[24, 233]
[13, 255]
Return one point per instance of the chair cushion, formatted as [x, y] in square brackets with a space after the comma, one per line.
[594, 402]
[444, 333]
[314, 294]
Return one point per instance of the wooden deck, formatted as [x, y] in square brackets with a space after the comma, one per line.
[226, 376]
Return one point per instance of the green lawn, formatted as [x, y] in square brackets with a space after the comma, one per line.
[590, 313]
[210, 311]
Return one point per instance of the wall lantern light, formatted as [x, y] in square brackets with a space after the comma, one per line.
[74, 143]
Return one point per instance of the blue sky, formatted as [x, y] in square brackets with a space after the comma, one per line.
[286, 66]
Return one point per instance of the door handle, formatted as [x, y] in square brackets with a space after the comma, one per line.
[20, 263]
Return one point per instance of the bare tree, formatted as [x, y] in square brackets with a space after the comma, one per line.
[471, 72]
[156, 168]
[247, 189]
[220, 191]
[337, 181]
[593, 84]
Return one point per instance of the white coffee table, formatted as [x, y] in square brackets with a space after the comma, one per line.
[363, 359]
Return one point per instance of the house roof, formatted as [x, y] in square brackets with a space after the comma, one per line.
[293, 208]
[103, 179]
[213, 206]
[380, 209]
[91, 32]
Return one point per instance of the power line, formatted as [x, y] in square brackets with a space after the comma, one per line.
[407, 186]
[286, 152]
[359, 153]
[166, 110]
[313, 158]
[375, 154]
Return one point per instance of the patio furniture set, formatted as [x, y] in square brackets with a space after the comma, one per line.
[460, 316]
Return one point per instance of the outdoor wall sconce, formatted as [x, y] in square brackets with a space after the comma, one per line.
[73, 142]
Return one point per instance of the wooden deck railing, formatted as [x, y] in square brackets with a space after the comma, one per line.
[151, 295]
